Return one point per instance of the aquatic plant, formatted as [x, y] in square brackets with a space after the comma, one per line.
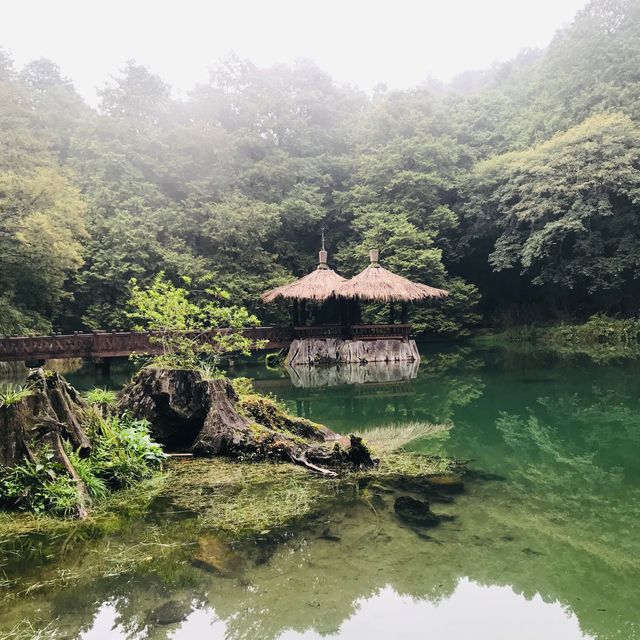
[26, 630]
[244, 498]
[396, 436]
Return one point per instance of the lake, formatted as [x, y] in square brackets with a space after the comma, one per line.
[543, 544]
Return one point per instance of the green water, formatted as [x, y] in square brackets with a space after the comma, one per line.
[543, 544]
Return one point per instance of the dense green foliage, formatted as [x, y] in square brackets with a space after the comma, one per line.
[517, 188]
[123, 453]
[181, 318]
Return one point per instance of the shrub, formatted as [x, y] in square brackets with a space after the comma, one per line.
[601, 338]
[123, 453]
[38, 486]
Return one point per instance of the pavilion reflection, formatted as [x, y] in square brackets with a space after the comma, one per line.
[372, 373]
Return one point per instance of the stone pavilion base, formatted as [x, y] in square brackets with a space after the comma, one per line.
[313, 351]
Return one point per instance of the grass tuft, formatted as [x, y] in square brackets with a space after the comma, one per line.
[13, 394]
[102, 398]
[396, 436]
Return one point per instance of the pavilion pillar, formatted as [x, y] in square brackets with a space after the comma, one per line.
[404, 313]
[303, 313]
[295, 313]
[392, 312]
[355, 312]
[343, 307]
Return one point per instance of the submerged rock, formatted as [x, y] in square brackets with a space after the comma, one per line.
[433, 490]
[216, 555]
[447, 483]
[415, 513]
[170, 612]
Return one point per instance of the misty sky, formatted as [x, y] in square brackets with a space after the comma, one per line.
[362, 42]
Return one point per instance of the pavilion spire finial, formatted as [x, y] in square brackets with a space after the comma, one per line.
[323, 253]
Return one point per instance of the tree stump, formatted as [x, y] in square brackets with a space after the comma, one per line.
[52, 413]
[207, 418]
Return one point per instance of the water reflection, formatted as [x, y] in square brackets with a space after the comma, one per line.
[351, 374]
[550, 551]
[491, 613]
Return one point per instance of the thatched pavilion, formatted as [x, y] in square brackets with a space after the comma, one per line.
[348, 340]
[377, 284]
[317, 286]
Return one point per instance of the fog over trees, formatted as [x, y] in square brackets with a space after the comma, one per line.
[517, 189]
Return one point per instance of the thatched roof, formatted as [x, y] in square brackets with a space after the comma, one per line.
[318, 285]
[382, 285]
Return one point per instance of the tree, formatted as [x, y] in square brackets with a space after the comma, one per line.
[41, 235]
[185, 324]
[566, 212]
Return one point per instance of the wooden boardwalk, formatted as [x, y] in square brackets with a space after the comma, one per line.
[112, 344]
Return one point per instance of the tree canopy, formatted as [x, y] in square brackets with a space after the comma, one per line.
[516, 188]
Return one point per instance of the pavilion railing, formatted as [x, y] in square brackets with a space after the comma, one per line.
[379, 331]
[356, 332]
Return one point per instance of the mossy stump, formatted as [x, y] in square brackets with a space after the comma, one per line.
[51, 412]
[206, 417]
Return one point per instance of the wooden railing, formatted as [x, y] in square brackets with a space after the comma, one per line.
[379, 331]
[103, 344]
[356, 332]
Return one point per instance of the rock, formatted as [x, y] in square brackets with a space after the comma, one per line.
[447, 483]
[415, 513]
[216, 555]
[483, 476]
[423, 486]
[170, 612]
[532, 552]
[327, 535]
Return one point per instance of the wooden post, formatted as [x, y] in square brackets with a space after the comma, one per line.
[355, 312]
[303, 313]
[392, 312]
[295, 314]
[404, 313]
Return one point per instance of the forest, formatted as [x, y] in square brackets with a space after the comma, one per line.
[515, 188]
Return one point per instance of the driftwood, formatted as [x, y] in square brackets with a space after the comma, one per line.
[207, 418]
[50, 414]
